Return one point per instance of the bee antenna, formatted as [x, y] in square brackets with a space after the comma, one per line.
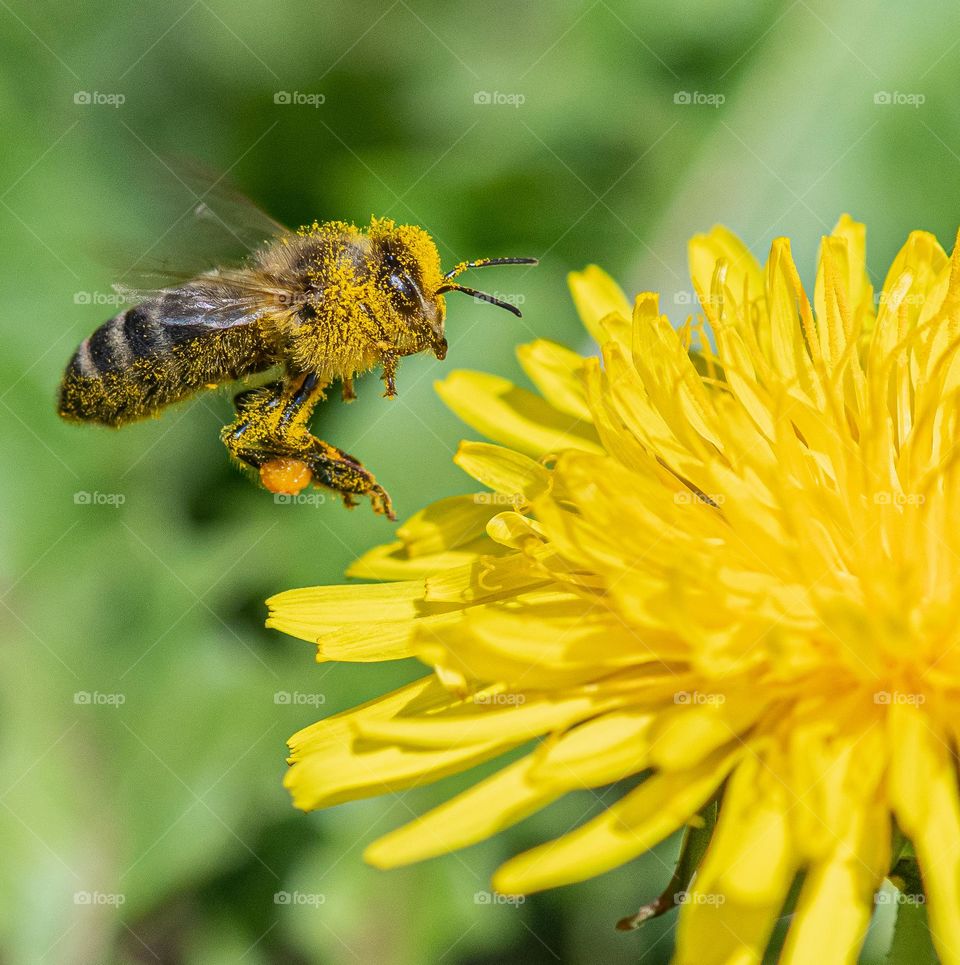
[488, 263]
[482, 296]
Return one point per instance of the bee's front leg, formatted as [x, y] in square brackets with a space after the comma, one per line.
[390, 374]
[270, 435]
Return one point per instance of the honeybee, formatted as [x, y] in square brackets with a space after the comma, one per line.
[322, 304]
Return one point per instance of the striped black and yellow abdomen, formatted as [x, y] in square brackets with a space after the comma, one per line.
[149, 357]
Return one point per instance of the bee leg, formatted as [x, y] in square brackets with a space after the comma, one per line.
[258, 412]
[339, 471]
[390, 374]
[347, 392]
[270, 412]
[272, 424]
[388, 356]
[265, 398]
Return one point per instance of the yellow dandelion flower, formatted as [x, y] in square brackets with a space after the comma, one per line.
[727, 565]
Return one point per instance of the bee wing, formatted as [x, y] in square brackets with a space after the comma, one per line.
[217, 201]
[223, 285]
[201, 271]
[209, 304]
[207, 224]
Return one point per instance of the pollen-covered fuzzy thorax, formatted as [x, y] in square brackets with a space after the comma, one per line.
[357, 294]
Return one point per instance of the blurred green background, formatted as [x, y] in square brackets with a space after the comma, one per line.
[156, 829]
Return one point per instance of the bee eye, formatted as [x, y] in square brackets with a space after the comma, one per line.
[403, 286]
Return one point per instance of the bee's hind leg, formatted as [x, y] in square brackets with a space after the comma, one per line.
[271, 424]
[339, 471]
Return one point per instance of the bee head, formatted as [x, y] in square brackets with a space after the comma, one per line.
[408, 267]
[411, 277]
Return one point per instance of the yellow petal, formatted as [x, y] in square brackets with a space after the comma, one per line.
[598, 751]
[831, 918]
[942, 309]
[669, 376]
[743, 274]
[562, 631]
[834, 773]
[923, 262]
[636, 422]
[634, 824]
[744, 879]
[444, 525]
[488, 807]
[835, 317]
[488, 578]
[514, 530]
[363, 769]
[331, 764]
[557, 374]
[372, 642]
[421, 695]
[836, 900]
[750, 859]
[793, 334]
[738, 366]
[504, 471]
[309, 612]
[556, 651]
[513, 416]
[715, 931]
[596, 296]
[858, 286]
[490, 716]
[923, 790]
[700, 723]
[393, 563]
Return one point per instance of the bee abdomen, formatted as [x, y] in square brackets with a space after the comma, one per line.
[139, 361]
[145, 332]
[135, 333]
